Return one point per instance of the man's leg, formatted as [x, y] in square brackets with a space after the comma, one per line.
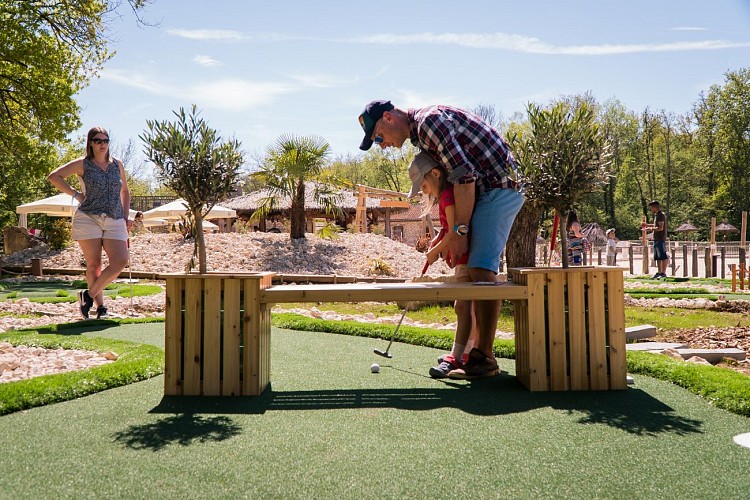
[487, 313]
[493, 216]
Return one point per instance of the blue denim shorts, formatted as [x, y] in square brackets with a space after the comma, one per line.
[494, 213]
[660, 250]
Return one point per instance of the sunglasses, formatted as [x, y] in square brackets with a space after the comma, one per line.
[100, 141]
[378, 139]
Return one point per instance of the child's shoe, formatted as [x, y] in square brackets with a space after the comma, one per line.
[447, 365]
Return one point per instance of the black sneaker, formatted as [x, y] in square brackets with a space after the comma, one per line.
[101, 312]
[447, 365]
[85, 302]
[656, 276]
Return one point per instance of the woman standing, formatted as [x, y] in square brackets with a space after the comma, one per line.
[100, 221]
[575, 239]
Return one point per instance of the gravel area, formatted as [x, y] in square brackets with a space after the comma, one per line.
[348, 255]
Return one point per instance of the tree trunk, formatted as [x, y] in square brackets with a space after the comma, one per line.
[200, 241]
[563, 239]
[521, 247]
[297, 222]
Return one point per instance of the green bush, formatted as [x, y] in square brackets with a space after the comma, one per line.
[58, 234]
[62, 293]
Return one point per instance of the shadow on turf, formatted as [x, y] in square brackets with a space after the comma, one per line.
[181, 429]
[633, 410]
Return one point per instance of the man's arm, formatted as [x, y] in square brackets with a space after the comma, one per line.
[459, 245]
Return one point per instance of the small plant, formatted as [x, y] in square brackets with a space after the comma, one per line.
[58, 234]
[62, 293]
[12, 295]
[381, 268]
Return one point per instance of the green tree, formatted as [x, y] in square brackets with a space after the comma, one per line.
[289, 166]
[48, 53]
[563, 157]
[192, 160]
[723, 118]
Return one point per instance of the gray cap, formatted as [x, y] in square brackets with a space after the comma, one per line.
[420, 165]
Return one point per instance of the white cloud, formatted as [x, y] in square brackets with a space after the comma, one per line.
[687, 28]
[222, 35]
[323, 81]
[205, 60]
[229, 93]
[407, 98]
[533, 45]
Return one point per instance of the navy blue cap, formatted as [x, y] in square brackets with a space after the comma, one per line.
[369, 117]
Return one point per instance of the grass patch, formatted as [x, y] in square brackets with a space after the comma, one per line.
[724, 388]
[430, 313]
[672, 318]
[55, 292]
[136, 362]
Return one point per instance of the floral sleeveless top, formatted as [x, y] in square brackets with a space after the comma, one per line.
[102, 189]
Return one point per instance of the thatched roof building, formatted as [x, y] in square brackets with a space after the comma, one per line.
[247, 204]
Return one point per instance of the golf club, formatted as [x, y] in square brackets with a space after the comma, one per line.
[386, 353]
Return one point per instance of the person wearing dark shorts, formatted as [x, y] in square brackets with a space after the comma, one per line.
[659, 227]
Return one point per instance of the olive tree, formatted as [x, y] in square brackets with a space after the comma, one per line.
[563, 156]
[193, 161]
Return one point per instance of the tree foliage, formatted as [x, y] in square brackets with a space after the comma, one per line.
[192, 159]
[289, 165]
[563, 157]
[48, 52]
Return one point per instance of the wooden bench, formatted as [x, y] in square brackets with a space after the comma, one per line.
[569, 326]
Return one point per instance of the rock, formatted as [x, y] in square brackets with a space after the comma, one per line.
[16, 239]
[698, 360]
[672, 353]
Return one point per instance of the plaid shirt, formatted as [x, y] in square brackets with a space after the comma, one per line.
[468, 148]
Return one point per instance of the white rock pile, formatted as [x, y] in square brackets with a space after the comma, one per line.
[23, 362]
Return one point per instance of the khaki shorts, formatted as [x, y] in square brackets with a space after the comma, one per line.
[98, 227]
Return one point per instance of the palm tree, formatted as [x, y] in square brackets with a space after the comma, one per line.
[288, 165]
[192, 160]
[563, 157]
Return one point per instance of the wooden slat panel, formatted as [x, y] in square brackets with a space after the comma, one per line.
[538, 380]
[618, 365]
[212, 336]
[264, 375]
[597, 333]
[579, 366]
[231, 354]
[558, 366]
[192, 338]
[365, 292]
[173, 338]
[251, 338]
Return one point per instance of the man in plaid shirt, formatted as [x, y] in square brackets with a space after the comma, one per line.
[483, 172]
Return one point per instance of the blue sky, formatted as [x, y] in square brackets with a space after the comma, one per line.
[258, 69]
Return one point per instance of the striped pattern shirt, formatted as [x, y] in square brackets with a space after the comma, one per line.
[468, 148]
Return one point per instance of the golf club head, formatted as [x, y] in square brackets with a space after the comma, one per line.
[385, 354]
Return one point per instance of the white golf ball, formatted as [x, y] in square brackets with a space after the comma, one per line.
[375, 368]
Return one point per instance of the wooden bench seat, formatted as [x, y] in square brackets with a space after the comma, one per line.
[391, 292]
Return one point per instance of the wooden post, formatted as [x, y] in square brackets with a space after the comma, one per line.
[723, 260]
[707, 262]
[599, 257]
[360, 219]
[673, 251]
[743, 230]
[684, 260]
[733, 270]
[695, 262]
[644, 242]
[630, 258]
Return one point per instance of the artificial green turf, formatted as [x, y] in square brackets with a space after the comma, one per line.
[329, 428]
[135, 362]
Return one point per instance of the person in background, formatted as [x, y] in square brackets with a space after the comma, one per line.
[430, 178]
[575, 239]
[611, 247]
[100, 222]
[659, 227]
[137, 227]
[484, 174]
